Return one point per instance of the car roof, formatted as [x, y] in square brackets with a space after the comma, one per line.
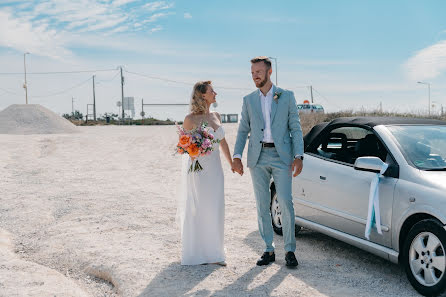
[375, 121]
[370, 122]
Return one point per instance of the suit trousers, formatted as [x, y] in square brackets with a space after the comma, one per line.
[270, 165]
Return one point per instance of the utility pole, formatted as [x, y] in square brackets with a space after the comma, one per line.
[311, 92]
[72, 105]
[94, 101]
[25, 86]
[142, 110]
[122, 94]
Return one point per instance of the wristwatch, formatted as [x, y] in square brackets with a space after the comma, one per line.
[299, 157]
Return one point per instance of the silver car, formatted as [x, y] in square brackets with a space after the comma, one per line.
[331, 195]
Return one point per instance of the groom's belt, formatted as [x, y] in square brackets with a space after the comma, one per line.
[268, 144]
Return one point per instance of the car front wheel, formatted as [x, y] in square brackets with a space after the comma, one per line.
[276, 215]
[424, 257]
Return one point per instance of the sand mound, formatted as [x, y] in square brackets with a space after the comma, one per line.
[33, 119]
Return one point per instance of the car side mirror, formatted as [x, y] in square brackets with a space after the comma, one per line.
[373, 164]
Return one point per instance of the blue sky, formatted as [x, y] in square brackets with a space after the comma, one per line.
[356, 54]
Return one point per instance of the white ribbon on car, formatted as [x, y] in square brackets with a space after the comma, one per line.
[374, 216]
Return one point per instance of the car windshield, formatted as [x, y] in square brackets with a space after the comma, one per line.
[422, 146]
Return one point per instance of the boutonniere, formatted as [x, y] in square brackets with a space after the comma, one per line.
[277, 96]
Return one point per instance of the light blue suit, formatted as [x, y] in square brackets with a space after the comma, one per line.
[276, 162]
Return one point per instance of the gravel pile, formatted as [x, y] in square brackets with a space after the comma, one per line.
[33, 119]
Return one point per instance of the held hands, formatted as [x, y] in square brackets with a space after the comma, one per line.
[296, 167]
[237, 166]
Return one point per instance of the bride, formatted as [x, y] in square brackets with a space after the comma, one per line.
[201, 210]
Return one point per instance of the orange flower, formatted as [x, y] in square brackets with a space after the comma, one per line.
[193, 150]
[185, 141]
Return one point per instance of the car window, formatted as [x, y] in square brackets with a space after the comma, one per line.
[346, 144]
[422, 146]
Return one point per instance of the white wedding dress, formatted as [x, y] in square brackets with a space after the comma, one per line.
[201, 209]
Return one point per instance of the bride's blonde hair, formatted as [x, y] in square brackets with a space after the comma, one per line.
[197, 102]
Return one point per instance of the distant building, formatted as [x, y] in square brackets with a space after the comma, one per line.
[229, 118]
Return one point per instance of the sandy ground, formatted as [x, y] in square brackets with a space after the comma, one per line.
[93, 214]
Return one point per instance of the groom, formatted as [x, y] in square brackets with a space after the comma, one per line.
[275, 150]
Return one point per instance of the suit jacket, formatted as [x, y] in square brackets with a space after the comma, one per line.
[285, 127]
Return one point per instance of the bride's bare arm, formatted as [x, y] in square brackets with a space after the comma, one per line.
[224, 145]
[188, 125]
[226, 152]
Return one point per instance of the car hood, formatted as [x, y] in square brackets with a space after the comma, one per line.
[435, 179]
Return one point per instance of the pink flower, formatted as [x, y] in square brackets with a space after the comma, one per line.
[206, 143]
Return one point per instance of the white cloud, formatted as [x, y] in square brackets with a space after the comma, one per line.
[23, 36]
[155, 17]
[47, 27]
[428, 63]
[105, 24]
[156, 29]
[187, 15]
[122, 2]
[158, 5]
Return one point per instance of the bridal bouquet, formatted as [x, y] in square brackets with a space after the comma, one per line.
[197, 143]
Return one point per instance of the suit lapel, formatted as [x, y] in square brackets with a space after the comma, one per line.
[274, 105]
[258, 106]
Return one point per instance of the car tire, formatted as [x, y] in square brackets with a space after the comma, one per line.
[276, 216]
[424, 257]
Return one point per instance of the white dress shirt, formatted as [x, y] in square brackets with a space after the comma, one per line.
[265, 102]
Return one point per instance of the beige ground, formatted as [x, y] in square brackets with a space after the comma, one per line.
[93, 214]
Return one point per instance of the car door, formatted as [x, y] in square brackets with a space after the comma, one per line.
[331, 192]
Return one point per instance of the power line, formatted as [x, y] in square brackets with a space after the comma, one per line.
[182, 82]
[160, 78]
[5, 90]
[58, 72]
[321, 95]
[4, 93]
[326, 100]
[234, 88]
[66, 90]
[108, 80]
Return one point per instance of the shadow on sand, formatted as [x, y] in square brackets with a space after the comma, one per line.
[327, 265]
[177, 280]
[331, 267]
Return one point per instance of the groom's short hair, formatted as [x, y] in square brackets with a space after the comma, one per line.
[263, 59]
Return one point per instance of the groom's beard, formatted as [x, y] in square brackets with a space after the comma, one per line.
[263, 82]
